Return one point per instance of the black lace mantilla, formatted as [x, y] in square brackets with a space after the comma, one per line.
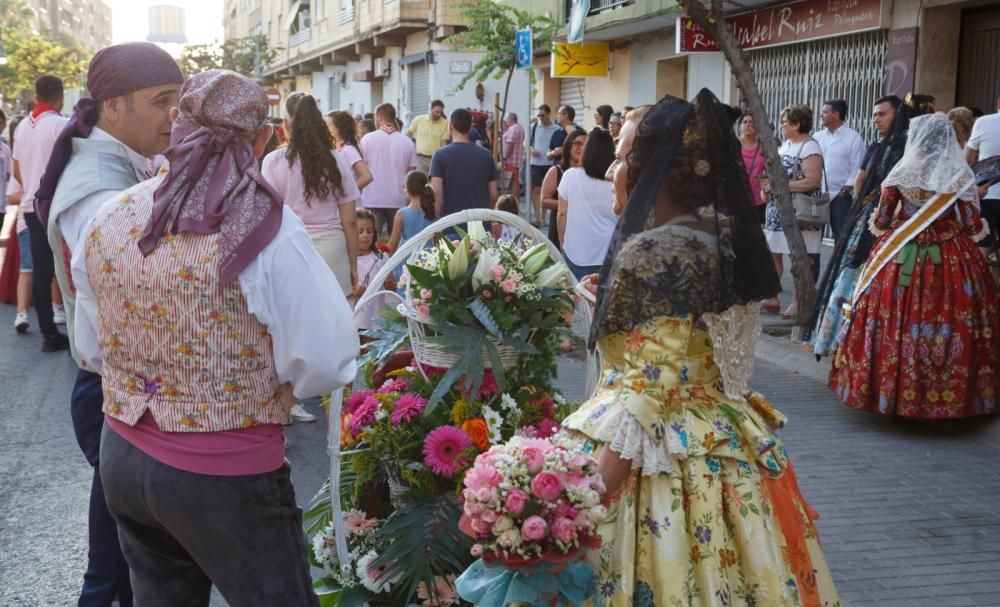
[672, 270]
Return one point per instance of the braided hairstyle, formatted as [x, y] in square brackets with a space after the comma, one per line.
[311, 142]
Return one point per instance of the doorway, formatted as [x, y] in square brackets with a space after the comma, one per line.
[671, 77]
[979, 59]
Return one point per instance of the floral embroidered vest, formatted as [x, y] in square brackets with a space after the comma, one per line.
[173, 339]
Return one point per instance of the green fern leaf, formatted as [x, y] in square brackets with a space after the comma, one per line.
[483, 315]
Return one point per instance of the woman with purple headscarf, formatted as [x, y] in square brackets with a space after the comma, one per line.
[205, 306]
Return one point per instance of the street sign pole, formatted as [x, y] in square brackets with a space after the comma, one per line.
[524, 59]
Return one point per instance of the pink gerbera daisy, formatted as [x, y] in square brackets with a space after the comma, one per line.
[355, 400]
[364, 415]
[393, 385]
[443, 449]
[408, 406]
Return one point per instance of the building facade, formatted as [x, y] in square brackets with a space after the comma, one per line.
[87, 22]
[806, 51]
[355, 54]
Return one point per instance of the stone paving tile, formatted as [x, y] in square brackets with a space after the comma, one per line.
[908, 510]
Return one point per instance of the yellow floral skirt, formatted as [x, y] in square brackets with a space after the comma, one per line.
[708, 534]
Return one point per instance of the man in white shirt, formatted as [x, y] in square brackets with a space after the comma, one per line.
[104, 149]
[390, 156]
[843, 151]
[985, 143]
[35, 137]
[541, 134]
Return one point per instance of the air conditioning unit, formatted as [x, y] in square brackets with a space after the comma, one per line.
[339, 76]
[381, 66]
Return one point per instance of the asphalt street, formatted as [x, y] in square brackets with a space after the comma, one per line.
[910, 511]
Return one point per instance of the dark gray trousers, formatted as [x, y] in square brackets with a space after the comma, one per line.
[181, 532]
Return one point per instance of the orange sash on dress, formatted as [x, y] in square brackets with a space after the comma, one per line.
[795, 517]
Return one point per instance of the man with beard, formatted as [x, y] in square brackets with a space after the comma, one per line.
[103, 150]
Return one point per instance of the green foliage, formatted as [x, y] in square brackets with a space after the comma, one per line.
[30, 55]
[388, 338]
[236, 54]
[423, 541]
[492, 27]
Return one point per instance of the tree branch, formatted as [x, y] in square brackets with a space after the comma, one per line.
[715, 24]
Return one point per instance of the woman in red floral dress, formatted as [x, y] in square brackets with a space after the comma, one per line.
[924, 336]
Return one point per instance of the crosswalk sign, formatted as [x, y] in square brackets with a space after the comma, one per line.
[522, 49]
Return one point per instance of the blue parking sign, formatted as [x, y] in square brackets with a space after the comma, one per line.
[523, 50]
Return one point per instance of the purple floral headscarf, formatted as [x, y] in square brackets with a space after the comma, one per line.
[213, 184]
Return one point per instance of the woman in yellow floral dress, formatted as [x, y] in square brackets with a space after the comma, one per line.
[704, 507]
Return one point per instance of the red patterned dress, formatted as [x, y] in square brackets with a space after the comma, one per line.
[924, 340]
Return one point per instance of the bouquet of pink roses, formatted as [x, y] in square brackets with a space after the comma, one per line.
[533, 507]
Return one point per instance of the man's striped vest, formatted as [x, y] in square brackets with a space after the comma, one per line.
[173, 339]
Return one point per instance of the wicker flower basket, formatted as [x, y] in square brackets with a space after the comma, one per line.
[425, 352]
[429, 354]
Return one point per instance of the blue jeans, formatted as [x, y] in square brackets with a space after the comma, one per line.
[181, 532]
[107, 573]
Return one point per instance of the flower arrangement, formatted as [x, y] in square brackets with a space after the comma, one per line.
[479, 294]
[410, 436]
[399, 439]
[531, 500]
[532, 506]
[403, 467]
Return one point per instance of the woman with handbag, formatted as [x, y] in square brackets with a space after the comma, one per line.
[802, 158]
[923, 339]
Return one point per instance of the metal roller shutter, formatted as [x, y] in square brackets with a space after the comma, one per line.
[571, 94]
[420, 95]
[846, 67]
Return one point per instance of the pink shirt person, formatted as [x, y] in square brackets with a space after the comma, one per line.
[390, 155]
[34, 138]
[317, 215]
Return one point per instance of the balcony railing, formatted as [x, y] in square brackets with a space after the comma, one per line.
[597, 6]
[299, 37]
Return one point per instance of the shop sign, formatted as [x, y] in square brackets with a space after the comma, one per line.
[785, 24]
[900, 61]
[577, 60]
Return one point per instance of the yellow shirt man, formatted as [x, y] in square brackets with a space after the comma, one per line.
[430, 130]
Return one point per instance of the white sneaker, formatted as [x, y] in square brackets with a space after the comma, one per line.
[300, 414]
[58, 314]
[21, 323]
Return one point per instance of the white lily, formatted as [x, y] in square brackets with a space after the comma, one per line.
[481, 274]
[552, 276]
[534, 258]
[477, 233]
[459, 261]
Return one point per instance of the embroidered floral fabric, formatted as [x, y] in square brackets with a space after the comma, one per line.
[220, 377]
[923, 339]
[704, 532]
[696, 523]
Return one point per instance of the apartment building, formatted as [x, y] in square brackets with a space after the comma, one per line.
[356, 54]
[87, 22]
[805, 51]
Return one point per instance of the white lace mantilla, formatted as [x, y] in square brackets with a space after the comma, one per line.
[624, 435]
[734, 335]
